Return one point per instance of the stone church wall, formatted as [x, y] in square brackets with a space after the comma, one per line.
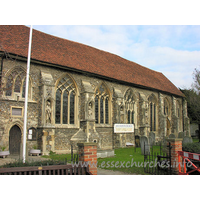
[58, 138]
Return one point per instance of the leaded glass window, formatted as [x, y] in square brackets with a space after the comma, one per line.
[129, 106]
[132, 117]
[16, 82]
[102, 105]
[65, 101]
[65, 107]
[72, 108]
[96, 109]
[9, 86]
[58, 106]
[24, 89]
[106, 110]
[152, 112]
[101, 110]
[129, 116]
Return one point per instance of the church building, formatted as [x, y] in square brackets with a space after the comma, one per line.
[77, 93]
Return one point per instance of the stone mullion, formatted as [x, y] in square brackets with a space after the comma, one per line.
[99, 110]
[61, 108]
[68, 110]
[104, 109]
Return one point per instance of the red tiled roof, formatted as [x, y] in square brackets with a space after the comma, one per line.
[51, 49]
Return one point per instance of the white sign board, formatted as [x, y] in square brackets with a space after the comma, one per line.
[123, 128]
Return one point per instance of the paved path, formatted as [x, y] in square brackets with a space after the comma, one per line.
[111, 172]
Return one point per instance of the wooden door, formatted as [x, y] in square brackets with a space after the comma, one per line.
[14, 140]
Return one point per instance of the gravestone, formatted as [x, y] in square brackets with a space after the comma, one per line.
[153, 136]
[144, 144]
[172, 136]
[165, 139]
[151, 141]
[181, 135]
[187, 140]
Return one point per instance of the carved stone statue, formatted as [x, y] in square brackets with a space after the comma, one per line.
[90, 110]
[48, 112]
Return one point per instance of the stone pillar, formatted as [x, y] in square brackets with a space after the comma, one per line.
[88, 153]
[44, 140]
[176, 144]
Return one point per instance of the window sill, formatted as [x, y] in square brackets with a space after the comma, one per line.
[102, 125]
[8, 98]
[66, 126]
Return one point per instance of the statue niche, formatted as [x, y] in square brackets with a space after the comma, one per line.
[48, 112]
[90, 110]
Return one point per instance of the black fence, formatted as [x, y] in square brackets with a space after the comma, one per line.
[158, 162]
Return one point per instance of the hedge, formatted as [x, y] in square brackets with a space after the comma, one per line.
[192, 147]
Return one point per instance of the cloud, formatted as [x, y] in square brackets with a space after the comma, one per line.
[177, 65]
[172, 50]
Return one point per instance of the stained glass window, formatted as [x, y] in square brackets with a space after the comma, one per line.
[65, 105]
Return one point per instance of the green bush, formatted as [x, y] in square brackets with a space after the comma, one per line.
[32, 163]
[192, 147]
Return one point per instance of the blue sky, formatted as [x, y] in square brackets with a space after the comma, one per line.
[173, 50]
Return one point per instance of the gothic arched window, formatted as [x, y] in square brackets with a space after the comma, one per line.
[9, 85]
[102, 105]
[152, 112]
[179, 114]
[129, 106]
[16, 83]
[65, 101]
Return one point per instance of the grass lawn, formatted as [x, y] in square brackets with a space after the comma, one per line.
[126, 157]
[122, 161]
[59, 157]
[195, 140]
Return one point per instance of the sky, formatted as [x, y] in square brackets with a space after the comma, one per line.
[161, 35]
[173, 50]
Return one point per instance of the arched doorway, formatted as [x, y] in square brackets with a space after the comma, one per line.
[15, 140]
